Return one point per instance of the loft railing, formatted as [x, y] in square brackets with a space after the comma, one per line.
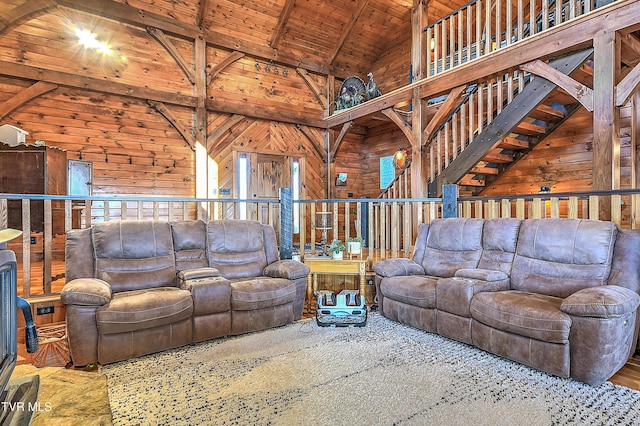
[485, 26]
[388, 225]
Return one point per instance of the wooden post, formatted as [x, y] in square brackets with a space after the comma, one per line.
[635, 141]
[418, 181]
[606, 119]
[286, 224]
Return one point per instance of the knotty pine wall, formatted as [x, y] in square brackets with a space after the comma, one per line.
[563, 161]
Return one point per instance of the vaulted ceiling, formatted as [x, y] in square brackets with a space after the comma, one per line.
[340, 37]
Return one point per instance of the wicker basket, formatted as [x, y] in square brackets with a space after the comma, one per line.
[53, 348]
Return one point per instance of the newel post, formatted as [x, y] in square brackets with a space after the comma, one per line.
[286, 223]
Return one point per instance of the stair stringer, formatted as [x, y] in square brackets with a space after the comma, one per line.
[513, 114]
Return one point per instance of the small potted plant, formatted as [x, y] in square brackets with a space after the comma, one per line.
[354, 245]
[336, 249]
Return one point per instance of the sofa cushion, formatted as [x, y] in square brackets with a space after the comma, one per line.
[261, 292]
[416, 290]
[558, 257]
[132, 255]
[499, 242]
[138, 310]
[452, 244]
[527, 314]
[190, 244]
[236, 248]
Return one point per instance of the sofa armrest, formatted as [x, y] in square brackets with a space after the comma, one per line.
[601, 302]
[86, 292]
[397, 267]
[197, 273]
[289, 269]
[481, 274]
[210, 294]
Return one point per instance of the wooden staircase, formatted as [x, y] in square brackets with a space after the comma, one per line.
[509, 131]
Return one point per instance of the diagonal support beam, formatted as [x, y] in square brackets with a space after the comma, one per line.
[343, 132]
[628, 86]
[234, 56]
[175, 54]
[23, 13]
[579, 91]
[314, 87]
[25, 96]
[393, 115]
[513, 114]
[318, 146]
[166, 113]
[347, 30]
[282, 21]
[443, 113]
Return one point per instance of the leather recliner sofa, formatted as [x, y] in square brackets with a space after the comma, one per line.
[138, 287]
[559, 295]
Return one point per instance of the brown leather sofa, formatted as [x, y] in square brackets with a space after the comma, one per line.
[559, 295]
[138, 287]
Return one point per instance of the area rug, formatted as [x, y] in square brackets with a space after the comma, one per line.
[382, 374]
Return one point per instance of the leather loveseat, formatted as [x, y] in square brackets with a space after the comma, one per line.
[138, 287]
[559, 295]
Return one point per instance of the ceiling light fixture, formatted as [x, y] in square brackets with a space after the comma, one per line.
[89, 40]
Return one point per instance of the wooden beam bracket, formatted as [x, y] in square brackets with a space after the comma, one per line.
[579, 91]
[25, 96]
[393, 115]
[628, 86]
[234, 56]
[445, 110]
[314, 87]
[175, 54]
[166, 113]
[343, 132]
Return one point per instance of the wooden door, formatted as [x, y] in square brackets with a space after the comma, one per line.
[268, 173]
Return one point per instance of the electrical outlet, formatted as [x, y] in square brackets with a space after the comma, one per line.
[33, 240]
[45, 310]
[369, 281]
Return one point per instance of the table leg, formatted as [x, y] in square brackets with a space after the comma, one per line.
[309, 301]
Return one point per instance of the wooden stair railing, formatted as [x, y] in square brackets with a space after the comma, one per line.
[505, 135]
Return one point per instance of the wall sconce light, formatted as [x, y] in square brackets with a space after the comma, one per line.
[400, 159]
[271, 65]
[432, 44]
[545, 190]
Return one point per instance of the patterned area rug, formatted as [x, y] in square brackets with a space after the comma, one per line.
[383, 374]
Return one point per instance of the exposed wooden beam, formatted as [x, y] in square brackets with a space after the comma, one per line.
[94, 84]
[186, 134]
[449, 104]
[606, 118]
[579, 91]
[400, 122]
[343, 132]
[556, 41]
[202, 11]
[23, 13]
[263, 112]
[629, 84]
[121, 12]
[314, 87]
[347, 29]
[282, 21]
[215, 139]
[234, 56]
[317, 145]
[173, 52]
[25, 96]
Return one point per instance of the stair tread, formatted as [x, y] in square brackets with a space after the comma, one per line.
[547, 113]
[496, 157]
[468, 180]
[485, 170]
[529, 129]
[513, 143]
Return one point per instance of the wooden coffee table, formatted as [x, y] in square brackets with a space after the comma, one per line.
[326, 265]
